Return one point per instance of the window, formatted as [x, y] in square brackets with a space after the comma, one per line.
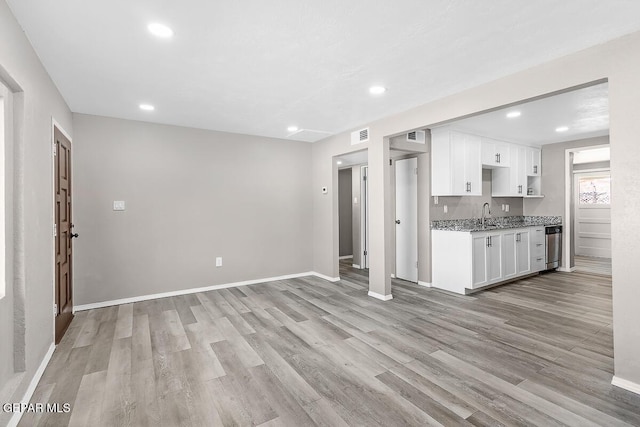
[595, 190]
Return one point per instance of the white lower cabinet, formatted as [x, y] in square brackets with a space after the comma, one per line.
[464, 261]
[487, 259]
[537, 249]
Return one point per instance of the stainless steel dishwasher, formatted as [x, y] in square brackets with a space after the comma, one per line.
[553, 243]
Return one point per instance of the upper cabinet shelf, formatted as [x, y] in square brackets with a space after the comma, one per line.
[457, 159]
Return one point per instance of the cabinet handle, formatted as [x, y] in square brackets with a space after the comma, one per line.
[538, 259]
[535, 168]
[468, 187]
[517, 237]
[519, 189]
[497, 158]
[538, 244]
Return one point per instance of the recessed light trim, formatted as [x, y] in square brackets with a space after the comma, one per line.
[377, 90]
[514, 114]
[147, 107]
[562, 129]
[160, 30]
[292, 128]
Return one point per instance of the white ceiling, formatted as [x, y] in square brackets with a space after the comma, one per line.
[257, 67]
[585, 112]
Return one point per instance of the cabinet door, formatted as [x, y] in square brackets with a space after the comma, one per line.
[459, 183]
[494, 258]
[480, 246]
[494, 153]
[518, 166]
[533, 161]
[473, 165]
[523, 257]
[509, 254]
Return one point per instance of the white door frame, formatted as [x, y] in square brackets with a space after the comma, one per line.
[568, 196]
[364, 217]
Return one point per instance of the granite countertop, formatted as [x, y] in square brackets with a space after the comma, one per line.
[499, 223]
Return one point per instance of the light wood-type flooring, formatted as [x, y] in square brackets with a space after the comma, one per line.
[309, 352]
[593, 265]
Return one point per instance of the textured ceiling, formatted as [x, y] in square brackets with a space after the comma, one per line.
[257, 67]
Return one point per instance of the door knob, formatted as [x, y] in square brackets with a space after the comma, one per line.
[73, 235]
[397, 221]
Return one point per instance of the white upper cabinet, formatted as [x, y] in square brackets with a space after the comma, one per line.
[533, 161]
[456, 168]
[511, 181]
[495, 153]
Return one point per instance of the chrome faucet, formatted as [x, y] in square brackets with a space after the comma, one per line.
[486, 205]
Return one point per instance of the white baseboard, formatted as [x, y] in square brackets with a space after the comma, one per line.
[393, 276]
[355, 266]
[566, 270]
[322, 276]
[15, 419]
[346, 257]
[425, 284]
[196, 290]
[625, 384]
[380, 296]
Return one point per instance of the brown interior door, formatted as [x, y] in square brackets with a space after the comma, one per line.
[63, 307]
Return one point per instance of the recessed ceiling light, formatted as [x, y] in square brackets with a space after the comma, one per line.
[292, 128]
[513, 114]
[160, 30]
[562, 129]
[339, 162]
[147, 107]
[377, 90]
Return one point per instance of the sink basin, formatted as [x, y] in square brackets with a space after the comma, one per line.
[489, 227]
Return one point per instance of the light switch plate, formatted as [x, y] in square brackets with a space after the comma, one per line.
[118, 205]
[219, 261]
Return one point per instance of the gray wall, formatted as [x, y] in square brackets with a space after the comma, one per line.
[191, 196]
[345, 211]
[36, 102]
[463, 207]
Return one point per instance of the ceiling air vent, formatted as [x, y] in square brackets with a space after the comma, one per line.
[359, 136]
[416, 136]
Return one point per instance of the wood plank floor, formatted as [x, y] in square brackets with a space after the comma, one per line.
[308, 352]
[593, 265]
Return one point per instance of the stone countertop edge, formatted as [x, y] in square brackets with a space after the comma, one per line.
[499, 223]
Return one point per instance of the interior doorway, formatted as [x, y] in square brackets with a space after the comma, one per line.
[63, 231]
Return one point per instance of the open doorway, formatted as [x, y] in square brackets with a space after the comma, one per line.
[591, 210]
[352, 209]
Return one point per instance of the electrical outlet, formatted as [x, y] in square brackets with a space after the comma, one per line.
[506, 208]
[219, 261]
[118, 205]
[446, 209]
[435, 200]
[503, 207]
